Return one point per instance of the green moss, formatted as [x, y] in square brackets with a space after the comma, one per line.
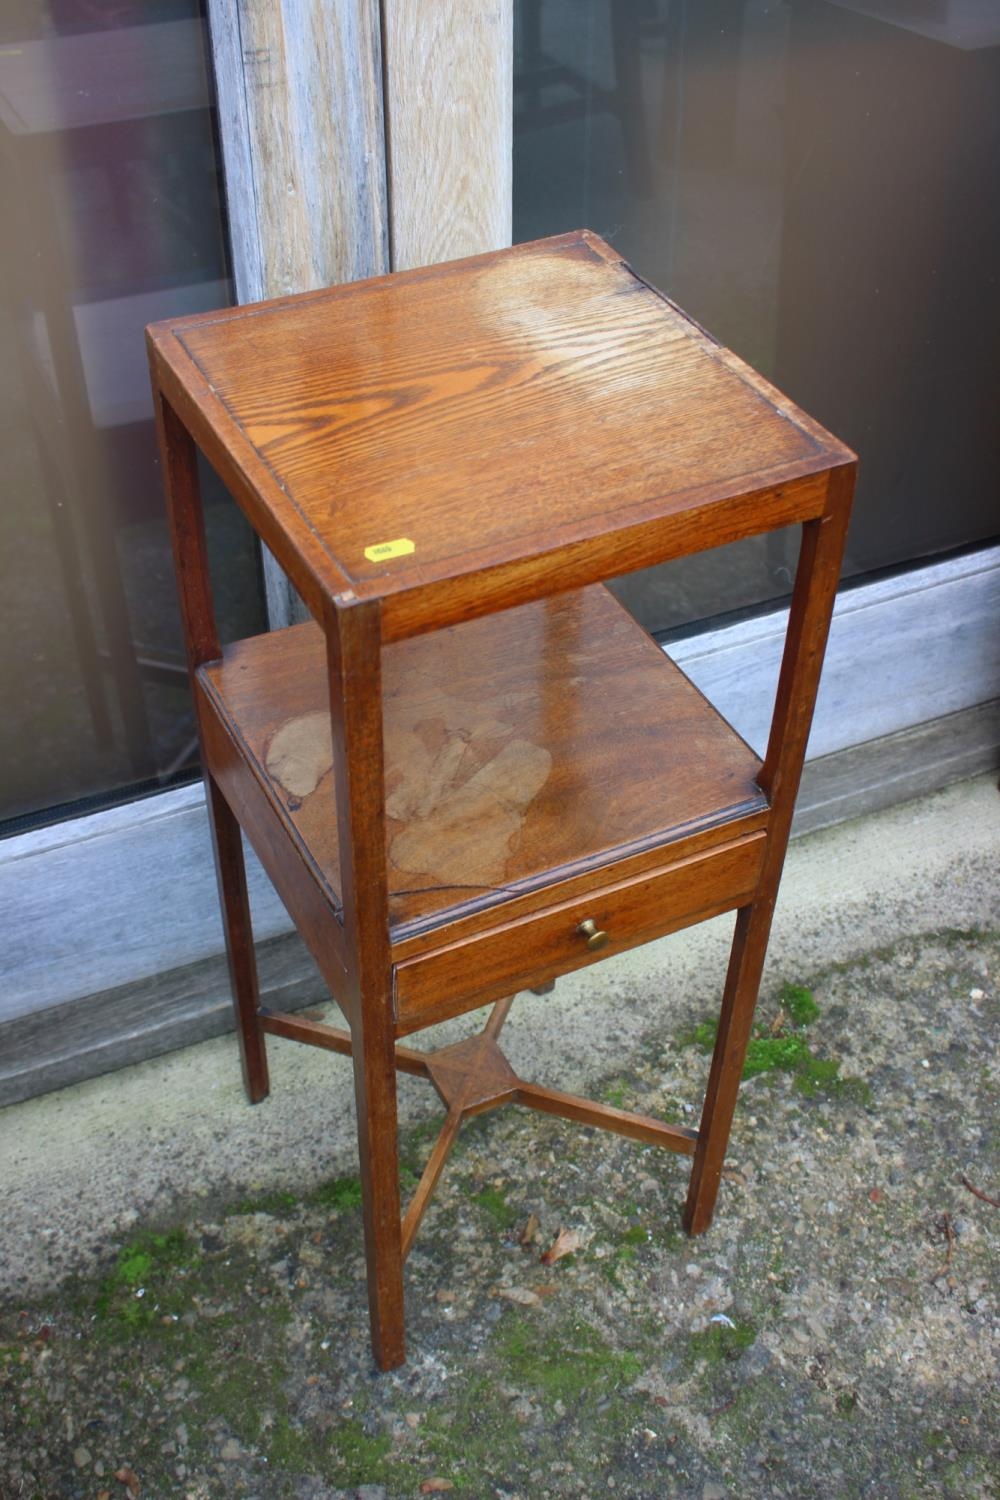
[495, 1206]
[278, 1204]
[289, 1447]
[134, 1265]
[769, 1054]
[821, 1075]
[150, 1253]
[233, 1388]
[148, 1282]
[624, 1253]
[846, 1403]
[719, 1342]
[346, 1453]
[413, 1146]
[817, 1074]
[636, 1234]
[570, 1363]
[235, 1376]
[615, 1093]
[701, 1036]
[342, 1194]
[362, 1456]
[787, 1052]
[765, 1053]
[408, 1178]
[799, 1004]
[855, 1090]
[473, 1437]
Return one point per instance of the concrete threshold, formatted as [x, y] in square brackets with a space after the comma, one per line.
[80, 1168]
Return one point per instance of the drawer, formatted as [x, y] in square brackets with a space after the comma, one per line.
[541, 946]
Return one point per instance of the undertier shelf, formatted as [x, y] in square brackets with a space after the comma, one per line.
[522, 749]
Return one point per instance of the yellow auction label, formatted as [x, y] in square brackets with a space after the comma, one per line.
[381, 551]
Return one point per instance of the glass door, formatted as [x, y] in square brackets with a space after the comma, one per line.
[815, 181]
[111, 205]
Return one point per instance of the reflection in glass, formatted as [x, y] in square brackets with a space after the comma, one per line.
[815, 181]
[111, 207]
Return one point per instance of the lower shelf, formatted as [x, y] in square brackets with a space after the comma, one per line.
[542, 745]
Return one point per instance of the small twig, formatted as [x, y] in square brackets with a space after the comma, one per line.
[978, 1193]
[948, 1230]
[950, 1235]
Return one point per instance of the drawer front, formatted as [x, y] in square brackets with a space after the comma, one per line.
[540, 947]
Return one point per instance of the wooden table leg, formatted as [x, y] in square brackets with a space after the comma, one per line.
[378, 1149]
[354, 661]
[809, 621]
[232, 881]
[739, 1000]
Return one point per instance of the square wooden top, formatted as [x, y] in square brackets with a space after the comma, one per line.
[462, 438]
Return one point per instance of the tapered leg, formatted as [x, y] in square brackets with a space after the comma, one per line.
[378, 1149]
[746, 961]
[354, 653]
[231, 875]
[812, 606]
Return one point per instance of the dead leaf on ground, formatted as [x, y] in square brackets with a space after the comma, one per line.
[130, 1479]
[565, 1243]
[546, 1289]
[529, 1233]
[520, 1295]
[436, 1486]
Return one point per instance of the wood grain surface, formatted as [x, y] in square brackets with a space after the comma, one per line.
[300, 120]
[449, 93]
[541, 946]
[299, 95]
[537, 743]
[542, 406]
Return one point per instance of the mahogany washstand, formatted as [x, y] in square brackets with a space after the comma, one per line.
[471, 771]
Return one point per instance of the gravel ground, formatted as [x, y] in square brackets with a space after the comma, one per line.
[834, 1334]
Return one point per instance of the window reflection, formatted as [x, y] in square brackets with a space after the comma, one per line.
[815, 182]
[111, 207]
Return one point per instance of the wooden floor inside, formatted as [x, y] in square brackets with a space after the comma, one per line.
[521, 748]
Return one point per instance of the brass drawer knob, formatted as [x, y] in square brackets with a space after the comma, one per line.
[595, 938]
